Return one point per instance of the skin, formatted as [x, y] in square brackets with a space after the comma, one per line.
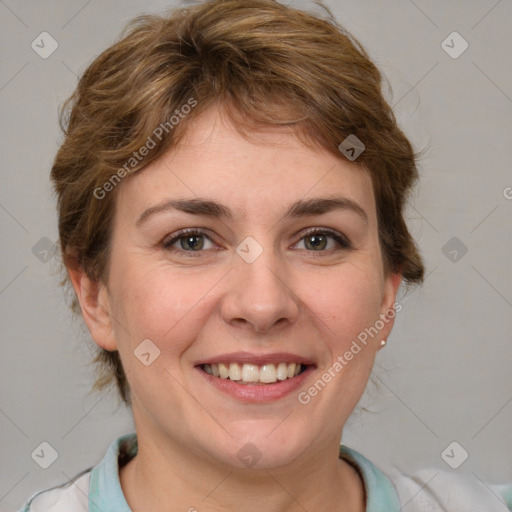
[194, 305]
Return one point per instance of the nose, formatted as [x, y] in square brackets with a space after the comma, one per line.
[259, 295]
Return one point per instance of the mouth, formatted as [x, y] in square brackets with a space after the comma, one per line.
[255, 375]
[252, 378]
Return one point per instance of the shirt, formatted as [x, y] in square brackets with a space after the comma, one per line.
[99, 490]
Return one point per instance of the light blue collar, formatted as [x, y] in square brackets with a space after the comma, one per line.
[380, 492]
[106, 495]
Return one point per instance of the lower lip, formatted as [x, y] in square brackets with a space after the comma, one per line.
[260, 393]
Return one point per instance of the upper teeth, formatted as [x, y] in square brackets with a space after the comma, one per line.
[253, 373]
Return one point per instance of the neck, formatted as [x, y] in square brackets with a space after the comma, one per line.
[163, 476]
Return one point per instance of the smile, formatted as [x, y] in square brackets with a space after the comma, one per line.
[256, 378]
[248, 373]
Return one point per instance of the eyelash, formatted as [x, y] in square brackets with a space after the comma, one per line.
[338, 237]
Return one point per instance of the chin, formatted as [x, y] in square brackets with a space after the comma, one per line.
[259, 450]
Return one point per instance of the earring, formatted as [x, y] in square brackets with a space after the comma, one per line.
[383, 343]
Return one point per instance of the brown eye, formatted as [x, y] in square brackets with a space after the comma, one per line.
[193, 242]
[188, 241]
[318, 240]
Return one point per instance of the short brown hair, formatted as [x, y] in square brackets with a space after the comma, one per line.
[266, 64]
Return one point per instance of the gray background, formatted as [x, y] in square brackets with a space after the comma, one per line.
[446, 372]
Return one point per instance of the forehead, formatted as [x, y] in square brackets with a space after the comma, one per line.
[269, 169]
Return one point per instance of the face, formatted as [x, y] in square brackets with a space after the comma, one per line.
[253, 260]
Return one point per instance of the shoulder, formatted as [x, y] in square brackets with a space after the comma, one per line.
[380, 491]
[427, 490]
[70, 497]
[438, 489]
[98, 485]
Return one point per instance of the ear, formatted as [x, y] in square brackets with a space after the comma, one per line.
[95, 305]
[388, 310]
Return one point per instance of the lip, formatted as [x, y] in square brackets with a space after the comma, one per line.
[248, 393]
[257, 359]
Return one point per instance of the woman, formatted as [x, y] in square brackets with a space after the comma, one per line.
[230, 193]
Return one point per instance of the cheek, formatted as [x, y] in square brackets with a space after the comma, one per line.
[167, 308]
[346, 303]
[161, 305]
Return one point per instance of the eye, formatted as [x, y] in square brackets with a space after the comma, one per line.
[318, 240]
[195, 240]
[189, 240]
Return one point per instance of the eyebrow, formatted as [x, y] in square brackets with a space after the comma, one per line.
[208, 208]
